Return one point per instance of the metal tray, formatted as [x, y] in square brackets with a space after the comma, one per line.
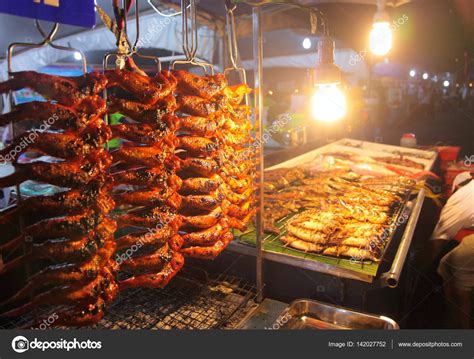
[311, 314]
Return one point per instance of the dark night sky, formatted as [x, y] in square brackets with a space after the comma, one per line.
[432, 38]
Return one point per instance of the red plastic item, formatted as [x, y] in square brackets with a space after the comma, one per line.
[448, 153]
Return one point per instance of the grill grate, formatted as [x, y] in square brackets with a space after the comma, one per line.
[192, 300]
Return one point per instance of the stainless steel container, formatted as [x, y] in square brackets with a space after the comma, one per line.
[311, 314]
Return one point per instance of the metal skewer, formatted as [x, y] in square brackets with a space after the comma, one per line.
[189, 13]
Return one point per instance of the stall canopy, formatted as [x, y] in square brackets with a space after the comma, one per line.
[156, 32]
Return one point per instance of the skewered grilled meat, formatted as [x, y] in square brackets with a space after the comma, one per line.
[69, 226]
[197, 146]
[94, 196]
[56, 116]
[146, 89]
[155, 280]
[73, 174]
[68, 91]
[149, 262]
[59, 274]
[197, 106]
[198, 166]
[61, 145]
[210, 252]
[154, 237]
[198, 126]
[200, 185]
[204, 220]
[206, 87]
[75, 248]
[144, 133]
[153, 197]
[151, 177]
[61, 295]
[235, 94]
[206, 202]
[154, 114]
[206, 237]
[150, 156]
[156, 217]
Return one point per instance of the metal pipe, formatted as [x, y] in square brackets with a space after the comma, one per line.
[392, 277]
[258, 78]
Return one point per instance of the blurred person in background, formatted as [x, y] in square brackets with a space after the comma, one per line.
[457, 266]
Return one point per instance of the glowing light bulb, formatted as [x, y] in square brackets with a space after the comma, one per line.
[328, 104]
[380, 38]
[307, 43]
[425, 76]
[77, 56]
[412, 73]
[446, 83]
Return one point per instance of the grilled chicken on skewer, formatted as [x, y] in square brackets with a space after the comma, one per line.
[198, 126]
[62, 145]
[146, 89]
[204, 220]
[200, 185]
[150, 177]
[73, 174]
[59, 274]
[154, 114]
[143, 133]
[154, 237]
[94, 196]
[206, 237]
[210, 252]
[150, 156]
[69, 226]
[149, 262]
[153, 197]
[197, 106]
[197, 146]
[203, 86]
[205, 201]
[155, 280]
[67, 91]
[57, 117]
[150, 218]
[64, 295]
[74, 249]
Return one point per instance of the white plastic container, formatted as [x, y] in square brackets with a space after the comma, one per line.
[408, 140]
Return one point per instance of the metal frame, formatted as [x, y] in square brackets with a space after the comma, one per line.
[188, 12]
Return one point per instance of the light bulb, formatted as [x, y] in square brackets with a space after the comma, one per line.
[380, 38]
[77, 56]
[328, 104]
[412, 73]
[425, 76]
[307, 43]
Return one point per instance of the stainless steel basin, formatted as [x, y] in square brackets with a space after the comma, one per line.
[311, 314]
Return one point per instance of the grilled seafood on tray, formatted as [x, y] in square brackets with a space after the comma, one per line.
[334, 213]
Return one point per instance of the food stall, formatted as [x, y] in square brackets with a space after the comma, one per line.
[131, 237]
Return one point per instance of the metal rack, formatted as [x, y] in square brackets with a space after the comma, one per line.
[193, 300]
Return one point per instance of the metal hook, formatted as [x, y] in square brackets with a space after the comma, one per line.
[188, 12]
[233, 48]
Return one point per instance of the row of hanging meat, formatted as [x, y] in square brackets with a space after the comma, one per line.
[179, 183]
